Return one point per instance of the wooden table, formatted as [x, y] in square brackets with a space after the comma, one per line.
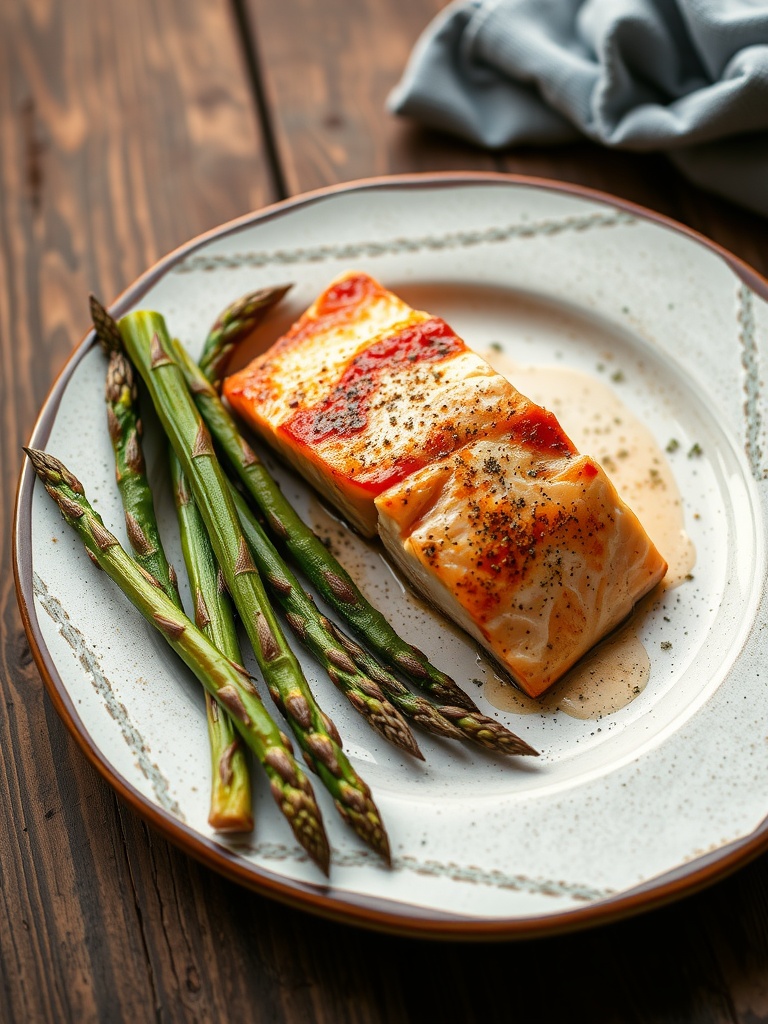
[124, 130]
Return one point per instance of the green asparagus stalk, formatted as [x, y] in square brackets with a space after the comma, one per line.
[302, 616]
[148, 345]
[229, 683]
[230, 808]
[471, 725]
[125, 432]
[105, 326]
[233, 326]
[320, 566]
[130, 472]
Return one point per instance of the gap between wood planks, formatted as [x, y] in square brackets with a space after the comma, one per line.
[247, 33]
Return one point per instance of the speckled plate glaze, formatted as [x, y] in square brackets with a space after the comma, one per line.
[617, 815]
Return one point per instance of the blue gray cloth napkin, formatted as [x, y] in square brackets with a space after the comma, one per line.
[687, 77]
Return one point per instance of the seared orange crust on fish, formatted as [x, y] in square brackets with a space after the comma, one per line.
[537, 558]
[477, 493]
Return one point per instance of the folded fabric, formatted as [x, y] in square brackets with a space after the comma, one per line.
[689, 77]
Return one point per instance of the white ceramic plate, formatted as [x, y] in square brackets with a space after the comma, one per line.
[646, 804]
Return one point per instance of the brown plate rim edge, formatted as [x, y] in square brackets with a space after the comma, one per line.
[407, 920]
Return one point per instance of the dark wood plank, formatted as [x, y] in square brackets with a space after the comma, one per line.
[326, 71]
[124, 129]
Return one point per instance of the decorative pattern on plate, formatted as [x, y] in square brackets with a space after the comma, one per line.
[103, 687]
[394, 246]
[465, 873]
[749, 360]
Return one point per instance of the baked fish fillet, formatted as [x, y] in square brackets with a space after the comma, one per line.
[478, 494]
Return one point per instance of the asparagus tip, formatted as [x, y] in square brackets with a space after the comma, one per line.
[51, 470]
[401, 735]
[488, 733]
[453, 696]
[360, 812]
[105, 326]
[248, 306]
[381, 845]
[235, 323]
[416, 752]
[316, 844]
[383, 716]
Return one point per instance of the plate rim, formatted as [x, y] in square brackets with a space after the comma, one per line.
[403, 919]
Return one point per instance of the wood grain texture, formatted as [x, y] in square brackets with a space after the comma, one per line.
[125, 129]
[326, 72]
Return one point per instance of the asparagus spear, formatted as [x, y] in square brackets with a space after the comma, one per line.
[327, 575]
[130, 472]
[234, 324]
[311, 628]
[148, 344]
[105, 326]
[125, 430]
[227, 682]
[471, 725]
[230, 809]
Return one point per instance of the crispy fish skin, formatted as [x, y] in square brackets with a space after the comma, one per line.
[478, 494]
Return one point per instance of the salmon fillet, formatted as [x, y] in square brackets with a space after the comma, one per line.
[477, 493]
[536, 558]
